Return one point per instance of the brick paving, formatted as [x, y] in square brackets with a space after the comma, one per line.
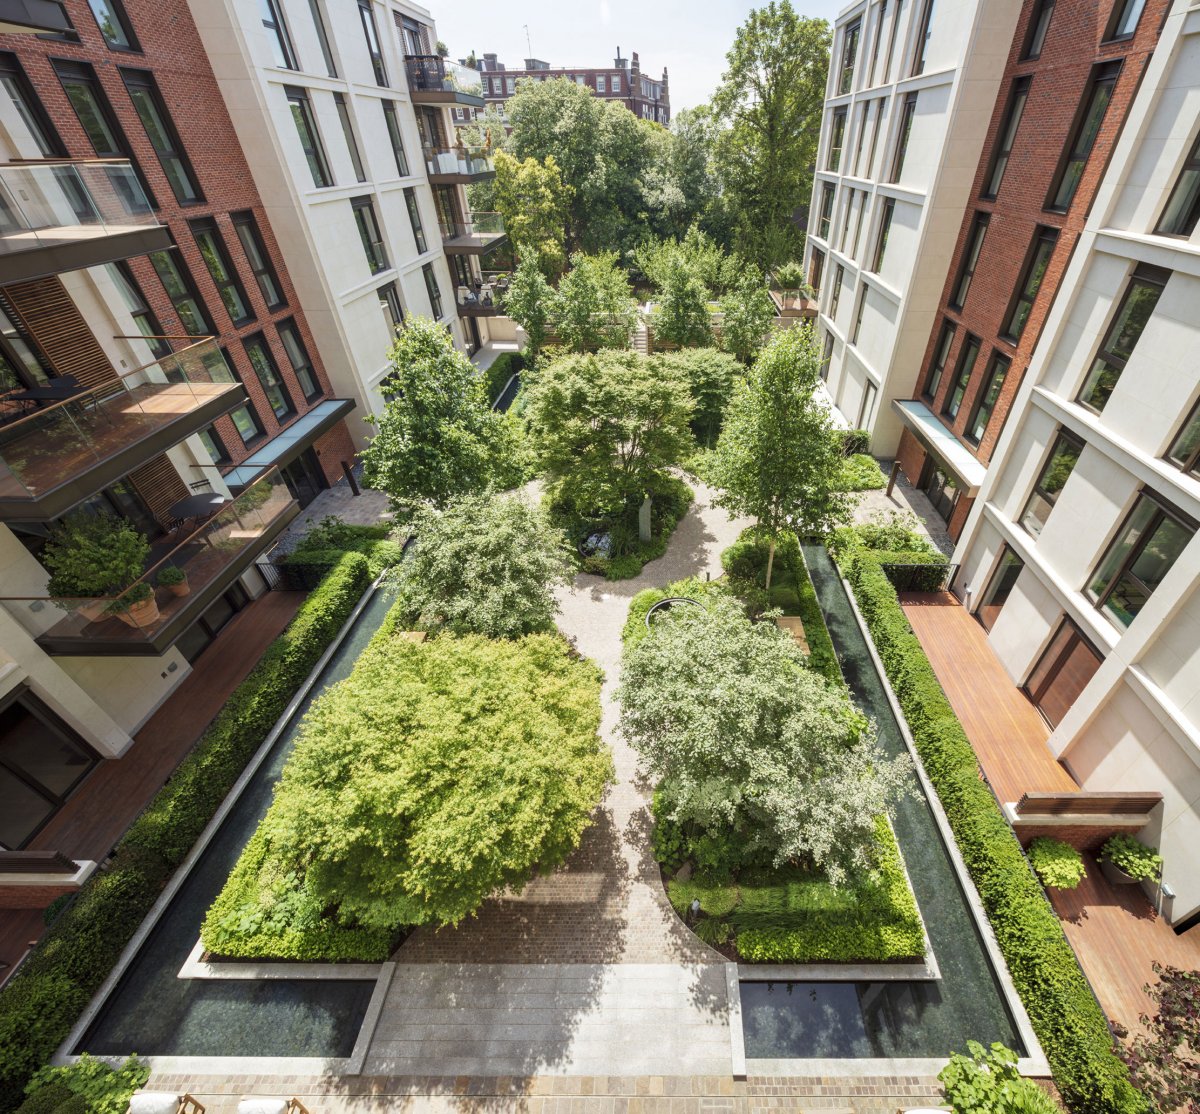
[905, 497]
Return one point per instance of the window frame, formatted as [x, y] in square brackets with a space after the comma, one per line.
[221, 457]
[389, 297]
[318, 18]
[259, 431]
[1041, 252]
[1039, 27]
[286, 328]
[395, 136]
[1120, 13]
[987, 396]
[860, 306]
[1065, 438]
[314, 150]
[1104, 75]
[837, 127]
[258, 341]
[413, 207]
[1188, 463]
[245, 227]
[839, 276]
[1008, 559]
[816, 269]
[1191, 166]
[881, 234]
[922, 40]
[139, 309]
[1018, 98]
[143, 81]
[30, 109]
[182, 272]
[825, 216]
[121, 18]
[365, 204]
[970, 261]
[276, 27]
[881, 8]
[434, 290]
[352, 147]
[964, 371]
[848, 56]
[366, 15]
[907, 112]
[941, 356]
[205, 231]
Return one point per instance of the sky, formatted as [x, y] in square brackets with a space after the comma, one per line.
[690, 39]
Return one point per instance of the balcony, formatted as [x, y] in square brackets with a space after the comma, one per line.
[213, 557]
[83, 440]
[485, 297]
[58, 216]
[448, 166]
[434, 80]
[476, 236]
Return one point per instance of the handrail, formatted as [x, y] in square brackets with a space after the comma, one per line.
[161, 336]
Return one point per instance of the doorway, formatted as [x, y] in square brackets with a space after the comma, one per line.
[201, 634]
[999, 587]
[1062, 672]
[304, 477]
[941, 487]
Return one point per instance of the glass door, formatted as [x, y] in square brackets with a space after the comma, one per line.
[1062, 673]
[942, 490]
[999, 587]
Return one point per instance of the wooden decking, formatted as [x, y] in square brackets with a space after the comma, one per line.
[1008, 734]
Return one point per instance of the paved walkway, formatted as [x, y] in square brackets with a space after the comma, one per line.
[364, 509]
[905, 497]
[588, 971]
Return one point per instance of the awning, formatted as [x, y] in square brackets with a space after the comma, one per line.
[967, 469]
[286, 446]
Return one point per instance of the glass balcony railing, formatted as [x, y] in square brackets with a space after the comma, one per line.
[481, 230]
[52, 203]
[462, 162]
[52, 434]
[430, 73]
[223, 547]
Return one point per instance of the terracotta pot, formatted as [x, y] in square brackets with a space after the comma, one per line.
[140, 614]
[180, 589]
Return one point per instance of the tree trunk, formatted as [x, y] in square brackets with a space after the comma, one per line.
[770, 561]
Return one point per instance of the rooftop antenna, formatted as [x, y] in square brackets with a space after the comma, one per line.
[527, 46]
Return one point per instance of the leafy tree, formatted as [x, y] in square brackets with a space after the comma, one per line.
[986, 1081]
[710, 376]
[530, 302]
[1159, 1058]
[747, 314]
[594, 307]
[606, 426]
[776, 458]
[488, 131]
[534, 203]
[752, 747]
[485, 565]
[771, 97]
[683, 317]
[437, 437]
[716, 268]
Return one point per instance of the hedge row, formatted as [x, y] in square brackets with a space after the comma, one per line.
[44, 999]
[1066, 1017]
[502, 369]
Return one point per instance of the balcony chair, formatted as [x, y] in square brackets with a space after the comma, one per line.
[164, 1102]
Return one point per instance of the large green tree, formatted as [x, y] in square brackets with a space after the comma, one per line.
[594, 306]
[534, 202]
[770, 97]
[683, 316]
[747, 314]
[776, 458]
[710, 376]
[530, 301]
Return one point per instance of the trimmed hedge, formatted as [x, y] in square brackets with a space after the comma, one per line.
[502, 369]
[320, 550]
[1069, 1022]
[43, 1000]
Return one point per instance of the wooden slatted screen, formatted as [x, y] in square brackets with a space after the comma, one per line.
[159, 485]
[1086, 803]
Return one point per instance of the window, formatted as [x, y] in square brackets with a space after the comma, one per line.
[1139, 558]
[390, 301]
[858, 225]
[268, 375]
[246, 228]
[1124, 21]
[836, 296]
[616, 83]
[1183, 206]
[970, 260]
[923, 34]
[396, 138]
[368, 232]
[860, 306]
[1050, 482]
[310, 138]
[314, 6]
[277, 33]
[837, 136]
[816, 269]
[220, 267]
[849, 56]
[1038, 26]
[874, 137]
[160, 130]
[867, 407]
[1185, 449]
[891, 48]
[962, 376]
[15, 88]
[999, 588]
[1137, 304]
[860, 136]
[827, 194]
[510, 84]
[143, 316]
[1087, 127]
[297, 354]
[414, 218]
[114, 24]
[881, 9]
[177, 282]
[601, 83]
[1008, 133]
[885, 227]
[343, 112]
[245, 421]
[985, 401]
[20, 364]
[435, 293]
[1031, 282]
[846, 213]
[1068, 663]
[906, 119]
[940, 355]
[214, 446]
[367, 14]
[826, 356]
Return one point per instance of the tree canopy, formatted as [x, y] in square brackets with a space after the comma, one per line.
[534, 203]
[683, 316]
[710, 376]
[530, 301]
[747, 314]
[594, 306]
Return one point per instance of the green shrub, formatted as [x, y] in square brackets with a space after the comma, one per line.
[104, 1090]
[1133, 857]
[855, 441]
[502, 369]
[987, 1082]
[1069, 1022]
[47, 1099]
[639, 607]
[1056, 863]
[860, 472]
[324, 545]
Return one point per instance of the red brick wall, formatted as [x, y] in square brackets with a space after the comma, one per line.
[1060, 78]
[958, 516]
[32, 897]
[334, 447]
[172, 50]
[912, 456]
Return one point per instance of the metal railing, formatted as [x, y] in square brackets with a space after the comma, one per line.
[432, 73]
[484, 225]
[463, 161]
[932, 577]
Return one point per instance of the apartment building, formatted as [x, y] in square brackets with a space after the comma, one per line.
[1072, 71]
[911, 91]
[1080, 555]
[624, 82]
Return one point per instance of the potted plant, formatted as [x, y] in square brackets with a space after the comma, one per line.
[1056, 863]
[174, 578]
[92, 555]
[1124, 860]
[136, 607]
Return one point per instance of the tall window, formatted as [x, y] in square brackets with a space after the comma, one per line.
[1139, 558]
[343, 112]
[1068, 663]
[162, 135]
[874, 137]
[1083, 139]
[368, 232]
[277, 34]
[970, 260]
[1053, 478]
[268, 375]
[435, 293]
[999, 587]
[131, 294]
[940, 355]
[962, 376]
[923, 33]
[816, 269]
[314, 7]
[177, 282]
[414, 218]
[867, 406]
[1124, 21]
[395, 137]
[881, 14]
[1008, 134]
[1137, 304]
[213, 445]
[20, 364]
[885, 228]
[310, 138]
[1183, 206]
[246, 422]
[849, 56]
[859, 309]
[827, 193]
[846, 214]
[390, 301]
[837, 137]
[248, 234]
[366, 13]
[221, 269]
[114, 24]
[985, 401]
[1185, 449]
[838, 276]
[297, 354]
[906, 120]
[1038, 26]
[860, 135]
[15, 87]
[858, 224]
[1031, 282]
[601, 83]
[616, 83]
